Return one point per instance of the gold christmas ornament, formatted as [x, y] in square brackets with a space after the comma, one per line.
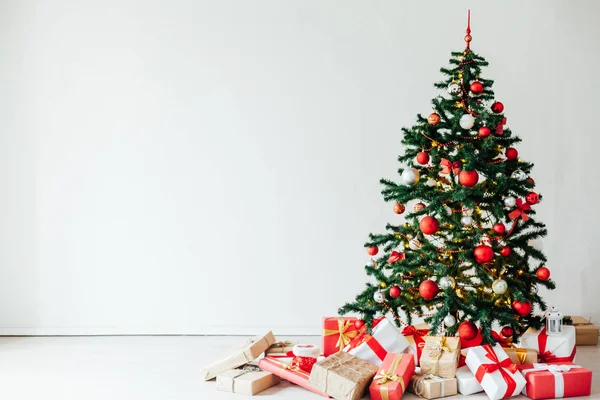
[383, 284]
[433, 119]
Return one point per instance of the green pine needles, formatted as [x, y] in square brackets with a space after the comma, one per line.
[472, 182]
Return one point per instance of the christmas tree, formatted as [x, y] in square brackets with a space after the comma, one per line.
[468, 255]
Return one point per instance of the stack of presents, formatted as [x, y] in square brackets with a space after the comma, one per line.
[389, 362]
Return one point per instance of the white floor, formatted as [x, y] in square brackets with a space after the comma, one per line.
[146, 367]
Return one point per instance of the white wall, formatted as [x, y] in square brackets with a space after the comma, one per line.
[213, 166]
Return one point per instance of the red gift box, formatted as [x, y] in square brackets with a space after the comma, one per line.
[337, 333]
[393, 377]
[285, 370]
[555, 380]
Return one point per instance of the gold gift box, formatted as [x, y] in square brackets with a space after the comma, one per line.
[440, 356]
[433, 387]
[249, 380]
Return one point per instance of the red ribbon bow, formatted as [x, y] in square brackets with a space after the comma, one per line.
[396, 256]
[546, 356]
[412, 331]
[522, 206]
[502, 366]
[450, 166]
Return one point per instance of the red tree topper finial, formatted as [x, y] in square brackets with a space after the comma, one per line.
[468, 37]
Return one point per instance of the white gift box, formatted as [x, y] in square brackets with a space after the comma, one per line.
[494, 383]
[386, 338]
[467, 384]
[549, 347]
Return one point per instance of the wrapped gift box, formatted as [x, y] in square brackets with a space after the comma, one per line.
[521, 356]
[283, 368]
[282, 348]
[467, 384]
[415, 335]
[440, 356]
[495, 371]
[248, 380]
[244, 354]
[432, 387]
[342, 376]
[338, 332]
[386, 338]
[586, 333]
[556, 380]
[393, 377]
[551, 348]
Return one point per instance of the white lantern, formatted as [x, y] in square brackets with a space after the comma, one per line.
[554, 322]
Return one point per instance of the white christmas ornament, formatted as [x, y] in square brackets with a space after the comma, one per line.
[379, 297]
[536, 244]
[414, 245]
[467, 121]
[449, 320]
[499, 286]
[454, 88]
[466, 221]
[485, 240]
[410, 176]
[447, 282]
[371, 263]
[510, 202]
[430, 182]
[519, 175]
[448, 210]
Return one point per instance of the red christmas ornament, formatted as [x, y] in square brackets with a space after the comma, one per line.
[468, 178]
[372, 250]
[499, 228]
[484, 131]
[522, 308]
[511, 154]
[476, 87]
[358, 324]
[532, 198]
[467, 330]
[476, 341]
[483, 254]
[419, 207]
[507, 331]
[497, 107]
[531, 181]
[543, 273]
[505, 251]
[395, 291]
[399, 208]
[423, 157]
[428, 289]
[433, 119]
[429, 225]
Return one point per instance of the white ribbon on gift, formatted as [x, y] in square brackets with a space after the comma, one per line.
[556, 370]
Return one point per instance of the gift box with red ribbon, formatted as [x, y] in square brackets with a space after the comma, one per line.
[385, 338]
[467, 384]
[283, 368]
[556, 380]
[393, 377]
[416, 341]
[494, 370]
[338, 332]
[558, 347]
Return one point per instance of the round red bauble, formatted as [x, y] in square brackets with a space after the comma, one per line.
[428, 289]
[483, 254]
[497, 107]
[467, 330]
[511, 154]
[429, 225]
[522, 308]
[399, 208]
[476, 341]
[543, 273]
[531, 181]
[468, 178]
[499, 228]
[423, 157]
[433, 119]
[484, 131]
[505, 251]
[359, 323]
[476, 87]
[507, 331]
[395, 291]
[532, 198]
[372, 250]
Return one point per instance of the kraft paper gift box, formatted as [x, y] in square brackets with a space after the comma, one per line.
[338, 332]
[393, 377]
[556, 380]
[282, 348]
[551, 348]
[467, 384]
[415, 335]
[384, 339]
[248, 380]
[432, 387]
[494, 370]
[283, 368]
[342, 376]
[440, 356]
[586, 333]
[521, 356]
[244, 354]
